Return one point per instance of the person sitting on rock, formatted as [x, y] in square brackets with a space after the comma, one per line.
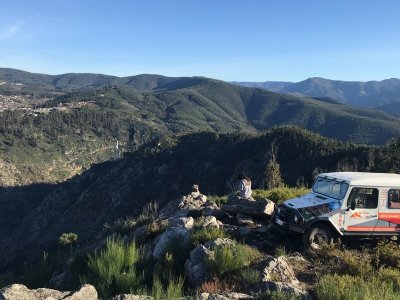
[244, 187]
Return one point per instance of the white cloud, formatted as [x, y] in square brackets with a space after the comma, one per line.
[10, 30]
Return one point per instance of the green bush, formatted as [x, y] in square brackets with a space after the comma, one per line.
[249, 276]
[231, 257]
[390, 275]
[114, 269]
[387, 253]
[173, 290]
[350, 262]
[203, 235]
[279, 195]
[346, 287]
[68, 239]
[123, 226]
[280, 250]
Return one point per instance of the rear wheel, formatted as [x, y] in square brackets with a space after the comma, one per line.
[317, 236]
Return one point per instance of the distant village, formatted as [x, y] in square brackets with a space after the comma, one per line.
[25, 103]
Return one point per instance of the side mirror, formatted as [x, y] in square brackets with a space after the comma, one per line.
[353, 204]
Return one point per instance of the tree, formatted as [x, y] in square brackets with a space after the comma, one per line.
[272, 173]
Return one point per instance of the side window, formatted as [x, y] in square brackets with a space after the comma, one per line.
[393, 198]
[363, 197]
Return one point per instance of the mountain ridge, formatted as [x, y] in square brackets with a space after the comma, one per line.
[358, 93]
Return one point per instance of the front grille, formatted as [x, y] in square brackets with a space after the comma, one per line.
[286, 214]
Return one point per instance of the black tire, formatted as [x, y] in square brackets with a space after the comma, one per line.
[318, 235]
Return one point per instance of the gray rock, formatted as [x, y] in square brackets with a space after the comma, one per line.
[60, 281]
[140, 234]
[243, 231]
[172, 237]
[211, 221]
[195, 267]
[227, 296]
[260, 208]
[21, 292]
[242, 219]
[276, 274]
[183, 222]
[263, 229]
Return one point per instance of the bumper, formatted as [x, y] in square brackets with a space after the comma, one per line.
[285, 227]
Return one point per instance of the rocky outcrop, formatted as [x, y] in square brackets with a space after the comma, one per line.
[276, 274]
[193, 204]
[21, 292]
[260, 208]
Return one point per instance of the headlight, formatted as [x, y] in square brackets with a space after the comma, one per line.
[296, 219]
[278, 210]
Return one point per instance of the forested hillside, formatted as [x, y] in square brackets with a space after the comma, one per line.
[71, 121]
[33, 217]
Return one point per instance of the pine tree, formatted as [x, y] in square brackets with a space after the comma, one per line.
[272, 173]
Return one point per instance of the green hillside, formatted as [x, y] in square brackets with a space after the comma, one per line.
[33, 217]
[59, 125]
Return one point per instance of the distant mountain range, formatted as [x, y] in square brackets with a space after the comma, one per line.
[377, 94]
[73, 120]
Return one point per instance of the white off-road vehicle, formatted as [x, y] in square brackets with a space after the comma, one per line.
[343, 204]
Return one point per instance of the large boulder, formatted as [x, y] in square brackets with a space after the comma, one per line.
[277, 275]
[171, 238]
[195, 266]
[260, 208]
[21, 292]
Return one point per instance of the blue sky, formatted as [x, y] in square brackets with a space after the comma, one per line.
[257, 40]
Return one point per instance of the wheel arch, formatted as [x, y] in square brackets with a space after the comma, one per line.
[327, 223]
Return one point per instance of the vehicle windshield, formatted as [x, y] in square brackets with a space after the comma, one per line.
[330, 188]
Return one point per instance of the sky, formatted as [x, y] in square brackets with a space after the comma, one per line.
[232, 40]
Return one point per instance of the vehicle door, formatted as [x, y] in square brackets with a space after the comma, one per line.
[362, 210]
[389, 214]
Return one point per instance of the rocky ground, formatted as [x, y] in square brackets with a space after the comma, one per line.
[276, 264]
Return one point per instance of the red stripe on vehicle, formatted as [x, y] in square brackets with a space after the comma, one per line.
[372, 228]
[390, 217]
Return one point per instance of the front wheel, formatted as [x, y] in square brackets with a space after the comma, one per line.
[317, 236]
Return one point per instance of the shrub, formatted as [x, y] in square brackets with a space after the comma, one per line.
[114, 269]
[280, 250]
[155, 228]
[350, 262]
[123, 226]
[68, 239]
[279, 195]
[231, 257]
[249, 276]
[387, 253]
[173, 289]
[203, 235]
[390, 275]
[346, 287]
